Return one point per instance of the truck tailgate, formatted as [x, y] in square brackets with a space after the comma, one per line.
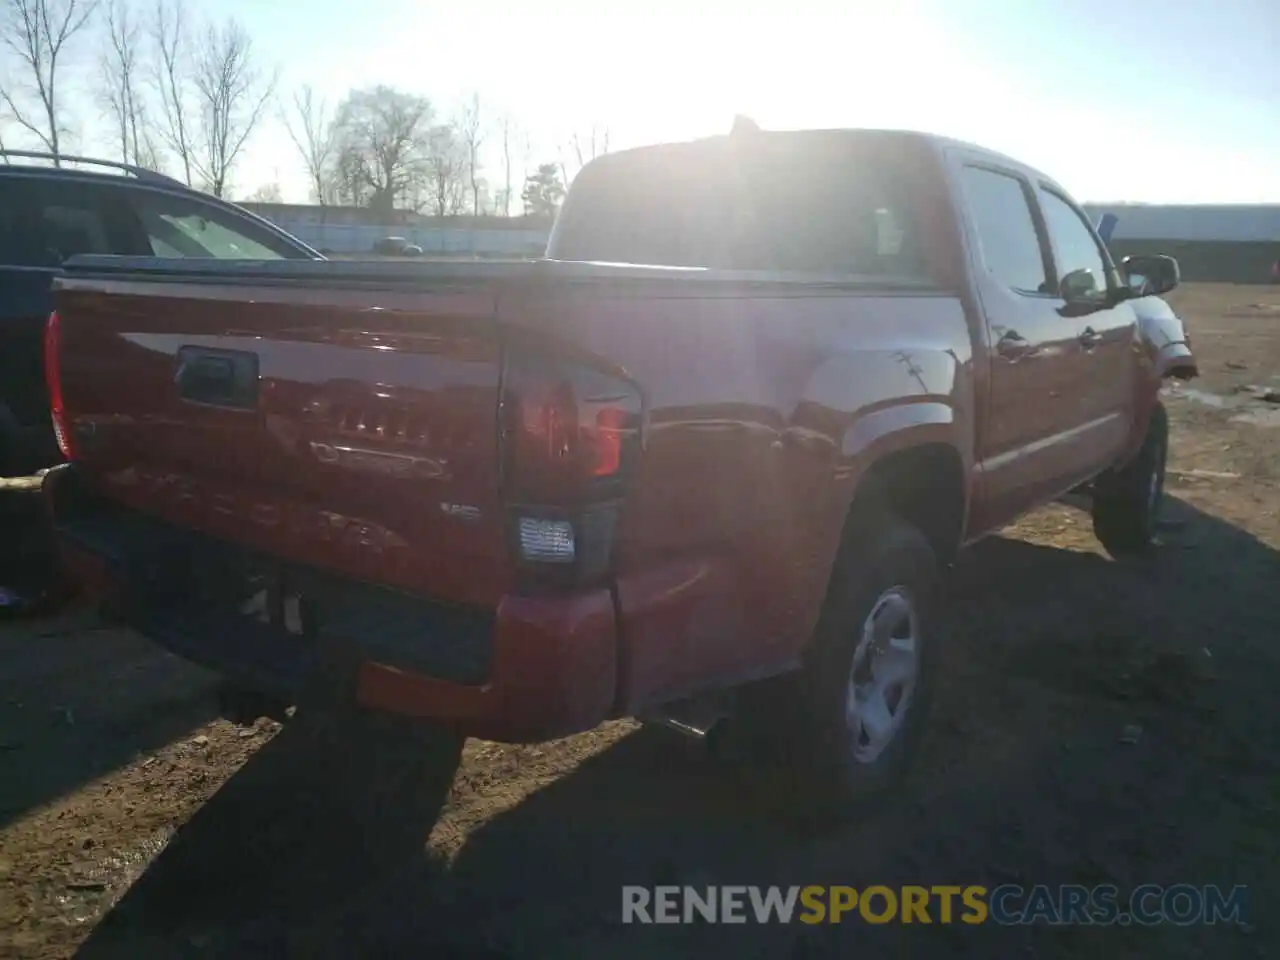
[348, 428]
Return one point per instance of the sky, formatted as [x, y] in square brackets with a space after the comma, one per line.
[1119, 100]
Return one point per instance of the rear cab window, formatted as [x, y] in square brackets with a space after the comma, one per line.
[805, 203]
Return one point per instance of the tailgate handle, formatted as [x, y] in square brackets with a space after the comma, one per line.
[218, 378]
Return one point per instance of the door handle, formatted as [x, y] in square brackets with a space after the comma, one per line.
[1012, 345]
[1090, 338]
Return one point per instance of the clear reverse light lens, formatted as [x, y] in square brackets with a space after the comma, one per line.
[549, 541]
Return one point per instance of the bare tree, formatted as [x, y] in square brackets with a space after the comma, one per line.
[121, 92]
[383, 141]
[267, 193]
[582, 149]
[316, 136]
[169, 36]
[471, 135]
[232, 92]
[510, 142]
[350, 185]
[37, 31]
[446, 165]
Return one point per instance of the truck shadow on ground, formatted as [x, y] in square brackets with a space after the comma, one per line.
[77, 698]
[99, 700]
[1097, 723]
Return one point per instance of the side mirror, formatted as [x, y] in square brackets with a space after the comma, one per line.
[1150, 276]
[1081, 286]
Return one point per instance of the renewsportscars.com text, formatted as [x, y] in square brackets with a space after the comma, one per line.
[1006, 905]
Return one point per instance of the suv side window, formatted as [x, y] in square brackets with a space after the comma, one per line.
[44, 220]
[182, 227]
[1074, 245]
[1007, 232]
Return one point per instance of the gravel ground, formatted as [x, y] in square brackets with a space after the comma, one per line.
[1099, 722]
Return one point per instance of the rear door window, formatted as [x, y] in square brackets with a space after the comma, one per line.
[1007, 234]
[184, 227]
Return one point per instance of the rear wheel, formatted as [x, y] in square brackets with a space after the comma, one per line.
[847, 725]
[1126, 502]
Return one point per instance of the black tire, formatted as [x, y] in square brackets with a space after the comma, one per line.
[1127, 502]
[832, 771]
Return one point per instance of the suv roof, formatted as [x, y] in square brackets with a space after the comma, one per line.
[142, 173]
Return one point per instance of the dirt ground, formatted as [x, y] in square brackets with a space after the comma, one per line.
[1099, 722]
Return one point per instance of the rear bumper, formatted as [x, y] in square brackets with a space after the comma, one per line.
[533, 669]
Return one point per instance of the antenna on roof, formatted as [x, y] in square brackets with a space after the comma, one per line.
[743, 125]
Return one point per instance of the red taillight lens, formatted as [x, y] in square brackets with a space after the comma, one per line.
[53, 382]
[570, 440]
[571, 432]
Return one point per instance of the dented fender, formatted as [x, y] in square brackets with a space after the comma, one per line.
[1176, 360]
[1165, 337]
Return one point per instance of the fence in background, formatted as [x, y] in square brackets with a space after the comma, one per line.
[1212, 260]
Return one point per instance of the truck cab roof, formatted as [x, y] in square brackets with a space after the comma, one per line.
[879, 138]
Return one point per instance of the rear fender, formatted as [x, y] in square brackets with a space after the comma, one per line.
[885, 433]
[871, 439]
[890, 429]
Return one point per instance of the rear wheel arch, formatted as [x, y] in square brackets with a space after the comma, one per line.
[922, 484]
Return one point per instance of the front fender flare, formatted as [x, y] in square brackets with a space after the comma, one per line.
[1176, 360]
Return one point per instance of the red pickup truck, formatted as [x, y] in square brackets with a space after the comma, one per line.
[707, 457]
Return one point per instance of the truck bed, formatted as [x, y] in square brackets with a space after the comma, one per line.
[355, 419]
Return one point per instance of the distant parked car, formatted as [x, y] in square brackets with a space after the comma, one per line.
[396, 247]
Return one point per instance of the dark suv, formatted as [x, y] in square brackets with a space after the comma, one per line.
[48, 213]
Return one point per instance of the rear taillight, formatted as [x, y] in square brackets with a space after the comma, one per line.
[53, 382]
[570, 441]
